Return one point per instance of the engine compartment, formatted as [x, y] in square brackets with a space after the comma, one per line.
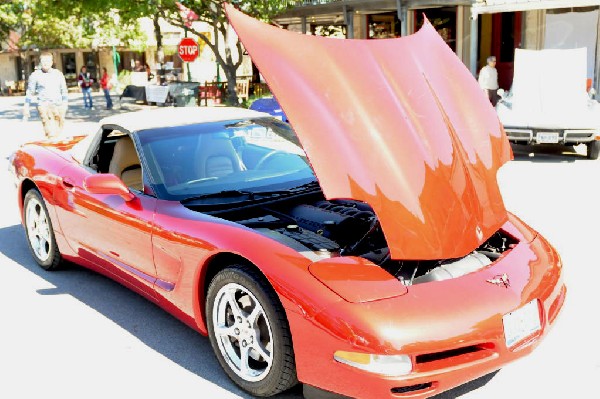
[320, 228]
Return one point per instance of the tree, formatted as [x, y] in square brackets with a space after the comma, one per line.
[213, 13]
[10, 18]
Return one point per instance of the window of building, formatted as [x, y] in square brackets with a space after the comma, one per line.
[383, 26]
[69, 68]
[443, 20]
[91, 62]
[326, 30]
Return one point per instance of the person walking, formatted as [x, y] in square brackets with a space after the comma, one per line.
[85, 82]
[488, 80]
[48, 88]
[106, 86]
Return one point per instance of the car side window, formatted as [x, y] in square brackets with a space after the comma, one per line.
[116, 154]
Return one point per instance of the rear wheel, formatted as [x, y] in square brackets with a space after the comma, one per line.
[38, 229]
[249, 332]
[593, 149]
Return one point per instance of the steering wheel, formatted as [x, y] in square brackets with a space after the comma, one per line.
[267, 157]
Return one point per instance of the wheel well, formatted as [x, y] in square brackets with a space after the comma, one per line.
[25, 187]
[220, 262]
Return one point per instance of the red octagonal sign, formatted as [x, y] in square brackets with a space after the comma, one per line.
[188, 49]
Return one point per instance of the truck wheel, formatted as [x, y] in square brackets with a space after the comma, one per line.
[593, 149]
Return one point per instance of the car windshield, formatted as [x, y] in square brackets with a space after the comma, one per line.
[203, 160]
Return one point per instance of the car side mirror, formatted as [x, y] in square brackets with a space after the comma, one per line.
[107, 183]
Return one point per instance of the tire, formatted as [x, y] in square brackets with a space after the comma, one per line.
[593, 149]
[39, 232]
[246, 321]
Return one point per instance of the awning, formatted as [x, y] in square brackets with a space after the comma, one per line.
[494, 6]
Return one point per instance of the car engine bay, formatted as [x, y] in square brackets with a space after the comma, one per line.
[320, 229]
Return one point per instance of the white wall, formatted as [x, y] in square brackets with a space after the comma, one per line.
[573, 30]
[8, 69]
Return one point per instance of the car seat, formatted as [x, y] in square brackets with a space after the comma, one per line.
[125, 163]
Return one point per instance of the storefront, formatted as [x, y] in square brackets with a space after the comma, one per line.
[384, 25]
[443, 19]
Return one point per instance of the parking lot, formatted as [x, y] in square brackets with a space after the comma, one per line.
[76, 334]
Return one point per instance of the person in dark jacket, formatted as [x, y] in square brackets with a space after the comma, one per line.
[85, 83]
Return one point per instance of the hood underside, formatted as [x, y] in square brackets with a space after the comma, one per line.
[399, 124]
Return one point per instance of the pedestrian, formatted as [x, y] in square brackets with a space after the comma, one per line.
[138, 67]
[488, 80]
[48, 88]
[85, 83]
[106, 86]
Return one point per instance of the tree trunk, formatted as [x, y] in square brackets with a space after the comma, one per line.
[159, 59]
[230, 74]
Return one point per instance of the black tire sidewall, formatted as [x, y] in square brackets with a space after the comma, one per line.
[239, 275]
[53, 254]
[593, 149]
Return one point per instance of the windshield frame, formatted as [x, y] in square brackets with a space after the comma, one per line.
[283, 129]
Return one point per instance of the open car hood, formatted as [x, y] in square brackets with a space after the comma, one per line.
[399, 124]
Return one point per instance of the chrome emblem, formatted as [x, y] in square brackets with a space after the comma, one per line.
[479, 233]
[500, 279]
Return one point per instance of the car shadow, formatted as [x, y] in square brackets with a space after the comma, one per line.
[548, 153]
[168, 336]
[466, 388]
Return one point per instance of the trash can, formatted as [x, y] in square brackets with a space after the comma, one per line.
[184, 94]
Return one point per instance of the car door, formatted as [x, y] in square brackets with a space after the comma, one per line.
[108, 230]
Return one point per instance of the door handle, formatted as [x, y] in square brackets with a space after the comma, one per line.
[67, 183]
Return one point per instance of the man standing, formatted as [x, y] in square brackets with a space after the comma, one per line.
[85, 82]
[488, 80]
[50, 87]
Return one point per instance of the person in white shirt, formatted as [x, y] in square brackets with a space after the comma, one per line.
[488, 80]
[47, 88]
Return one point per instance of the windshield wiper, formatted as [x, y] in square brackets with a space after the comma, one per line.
[251, 195]
[220, 194]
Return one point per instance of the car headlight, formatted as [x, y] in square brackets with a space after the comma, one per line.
[387, 365]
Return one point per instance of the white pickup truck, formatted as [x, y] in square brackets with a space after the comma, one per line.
[548, 102]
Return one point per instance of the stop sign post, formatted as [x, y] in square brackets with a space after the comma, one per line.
[188, 49]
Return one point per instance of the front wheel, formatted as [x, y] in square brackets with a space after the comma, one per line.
[593, 149]
[249, 332]
[38, 229]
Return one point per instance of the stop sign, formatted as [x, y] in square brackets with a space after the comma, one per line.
[188, 49]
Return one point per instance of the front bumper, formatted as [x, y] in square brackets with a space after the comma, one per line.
[452, 330]
[551, 135]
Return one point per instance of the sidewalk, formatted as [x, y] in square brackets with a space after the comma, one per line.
[14, 131]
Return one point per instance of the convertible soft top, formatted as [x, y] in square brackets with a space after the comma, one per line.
[168, 117]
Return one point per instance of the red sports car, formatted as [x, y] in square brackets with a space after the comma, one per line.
[365, 253]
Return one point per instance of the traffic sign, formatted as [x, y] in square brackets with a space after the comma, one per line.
[188, 49]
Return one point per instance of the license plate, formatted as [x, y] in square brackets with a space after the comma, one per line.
[547, 137]
[521, 323]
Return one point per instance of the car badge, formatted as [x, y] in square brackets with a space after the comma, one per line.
[479, 233]
[500, 279]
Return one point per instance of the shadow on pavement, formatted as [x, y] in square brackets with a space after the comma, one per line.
[150, 324]
[144, 320]
[76, 112]
[466, 388]
[548, 153]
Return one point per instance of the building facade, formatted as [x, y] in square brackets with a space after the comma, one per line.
[474, 29]
[16, 64]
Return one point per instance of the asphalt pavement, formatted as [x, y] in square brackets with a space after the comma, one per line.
[76, 334]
